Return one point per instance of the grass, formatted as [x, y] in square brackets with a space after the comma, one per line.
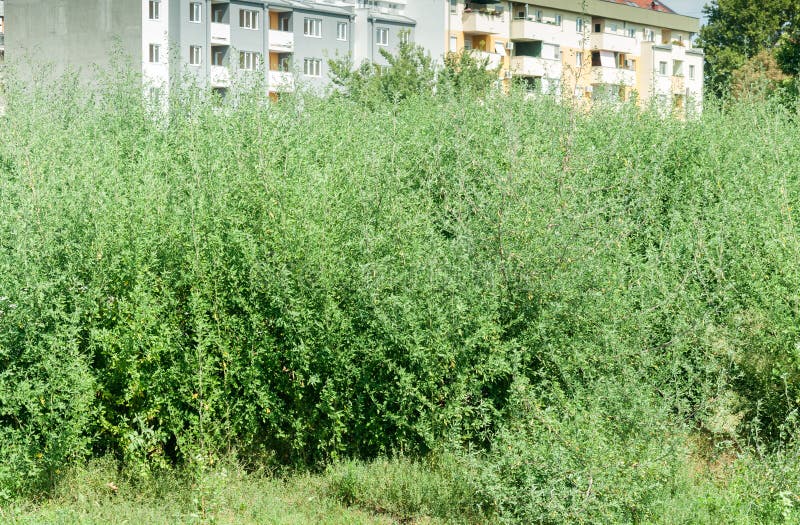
[224, 496]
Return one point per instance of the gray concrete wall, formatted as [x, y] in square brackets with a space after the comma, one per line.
[324, 48]
[184, 34]
[394, 38]
[75, 33]
[431, 29]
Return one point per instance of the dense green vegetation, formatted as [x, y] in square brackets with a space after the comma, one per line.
[752, 47]
[459, 306]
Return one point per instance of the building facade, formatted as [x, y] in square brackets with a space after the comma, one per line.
[584, 49]
[2, 31]
[588, 50]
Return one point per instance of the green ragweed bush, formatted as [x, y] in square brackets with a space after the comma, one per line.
[559, 297]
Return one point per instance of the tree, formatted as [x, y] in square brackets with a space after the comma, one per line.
[738, 30]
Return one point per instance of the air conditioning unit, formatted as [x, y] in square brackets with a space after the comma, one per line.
[510, 45]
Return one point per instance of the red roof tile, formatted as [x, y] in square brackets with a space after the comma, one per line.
[654, 5]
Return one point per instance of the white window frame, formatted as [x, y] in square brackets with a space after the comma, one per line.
[312, 27]
[218, 58]
[579, 59]
[312, 67]
[195, 55]
[559, 20]
[249, 19]
[405, 36]
[382, 36]
[579, 25]
[153, 7]
[691, 71]
[154, 53]
[195, 12]
[453, 44]
[662, 68]
[341, 31]
[249, 60]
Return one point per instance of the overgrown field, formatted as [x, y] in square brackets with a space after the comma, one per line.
[470, 308]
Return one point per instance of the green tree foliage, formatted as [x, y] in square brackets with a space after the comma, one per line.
[738, 30]
[411, 72]
[408, 73]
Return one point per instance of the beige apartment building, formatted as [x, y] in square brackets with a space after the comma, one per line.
[586, 49]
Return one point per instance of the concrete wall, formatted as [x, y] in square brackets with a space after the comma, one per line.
[76, 33]
[324, 48]
[431, 29]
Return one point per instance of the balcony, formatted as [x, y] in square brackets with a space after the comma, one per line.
[527, 29]
[281, 41]
[536, 67]
[281, 81]
[484, 23]
[494, 60]
[611, 42]
[220, 34]
[678, 85]
[220, 76]
[613, 76]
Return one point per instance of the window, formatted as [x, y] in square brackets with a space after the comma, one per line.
[218, 58]
[285, 63]
[248, 60]
[662, 68]
[312, 27]
[579, 59]
[155, 51]
[248, 19]
[558, 20]
[598, 28]
[632, 32]
[649, 35]
[153, 9]
[283, 23]
[537, 15]
[404, 36]
[195, 54]
[195, 9]
[382, 36]
[453, 7]
[613, 28]
[312, 67]
[691, 72]
[453, 44]
[341, 31]
[218, 13]
[579, 25]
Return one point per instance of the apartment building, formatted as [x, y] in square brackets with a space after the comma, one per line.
[586, 49]
[2, 31]
[218, 41]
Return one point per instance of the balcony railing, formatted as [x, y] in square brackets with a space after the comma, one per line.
[220, 76]
[613, 76]
[527, 29]
[612, 42]
[536, 67]
[220, 33]
[281, 41]
[281, 81]
[494, 60]
[487, 23]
